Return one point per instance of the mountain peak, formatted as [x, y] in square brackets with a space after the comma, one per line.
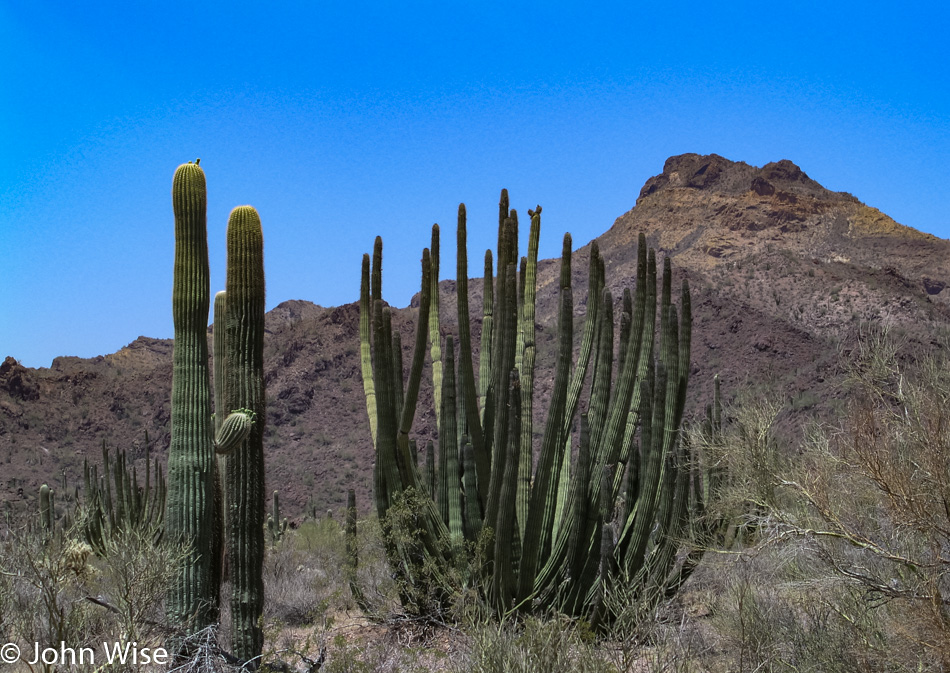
[707, 210]
[711, 172]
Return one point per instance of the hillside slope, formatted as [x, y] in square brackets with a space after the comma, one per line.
[783, 273]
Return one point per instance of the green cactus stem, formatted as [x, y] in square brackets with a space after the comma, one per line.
[237, 426]
[192, 600]
[141, 506]
[276, 525]
[435, 340]
[245, 466]
[557, 540]
[352, 550]
[46, 509]
[224, 441]
[366, 361]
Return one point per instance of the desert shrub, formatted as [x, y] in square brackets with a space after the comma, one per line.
[43, 595]
[429, 587]
[849, 571]
[56, 590]
[303, 573]
[306, 576]
[650, 632]
[873, 497]
[379, 595]
[372, 655]
[778, 608]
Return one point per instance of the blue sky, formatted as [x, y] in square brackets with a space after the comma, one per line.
[343, 121]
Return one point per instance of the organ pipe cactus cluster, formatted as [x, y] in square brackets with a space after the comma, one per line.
[601, 505]
[116, 502]
[193, 502]
[708, 528]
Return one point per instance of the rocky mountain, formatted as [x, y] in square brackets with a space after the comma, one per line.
[784, 274]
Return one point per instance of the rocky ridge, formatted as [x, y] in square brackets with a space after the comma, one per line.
[784, 272]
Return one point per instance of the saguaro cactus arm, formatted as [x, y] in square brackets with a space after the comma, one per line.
[234, 430]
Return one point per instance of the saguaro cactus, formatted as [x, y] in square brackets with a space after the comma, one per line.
[192, 601]
[244, 389]
[46, 508]
[276, 525]
[189, 519]
[219, 562]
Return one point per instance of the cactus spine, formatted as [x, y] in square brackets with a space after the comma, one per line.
[244, 389]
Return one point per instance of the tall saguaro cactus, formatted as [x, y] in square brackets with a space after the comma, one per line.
[193, 598]
[190, 501]
[219, 358]
[244, 389]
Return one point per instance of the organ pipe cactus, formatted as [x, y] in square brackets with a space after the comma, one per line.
[706, 528]
[557, 540]
[116, 501]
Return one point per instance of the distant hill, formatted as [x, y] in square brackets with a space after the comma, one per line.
[783, 272]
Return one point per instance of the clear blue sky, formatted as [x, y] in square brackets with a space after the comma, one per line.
[341, 121]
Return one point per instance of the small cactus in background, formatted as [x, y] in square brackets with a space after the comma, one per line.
[311, 509]
[276, 525]
[116, 502]
[47, 517]
[351, 545]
